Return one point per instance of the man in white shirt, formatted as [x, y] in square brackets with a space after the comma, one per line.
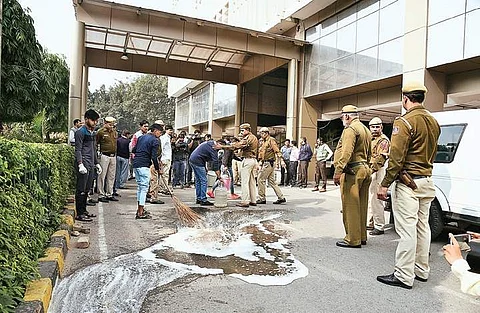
[166, 158]
[293, 166]
[77, 123]
[322, 154]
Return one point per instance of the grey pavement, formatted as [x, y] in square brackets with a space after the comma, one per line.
[338, 280]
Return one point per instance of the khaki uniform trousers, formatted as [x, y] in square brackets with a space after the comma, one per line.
[236, 167]
[267, 173]
[376, 208]
[106, 180]
[154, 183]
[249, 190]
[411, 209]
[165, 176]
[354, 192]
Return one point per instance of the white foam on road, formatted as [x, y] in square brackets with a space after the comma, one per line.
[102, 238]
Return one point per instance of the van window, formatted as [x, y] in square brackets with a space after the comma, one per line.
[450, 137]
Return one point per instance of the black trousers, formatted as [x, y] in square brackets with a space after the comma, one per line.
[285, 173]
[293, 172]
[84, 183]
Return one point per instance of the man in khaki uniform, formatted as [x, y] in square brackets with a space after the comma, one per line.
[413, 148]
[248, 147]
[352, 173]
[380, 150]
[107, 139]
[269, 154]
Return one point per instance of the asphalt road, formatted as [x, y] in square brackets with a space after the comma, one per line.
[338, 280]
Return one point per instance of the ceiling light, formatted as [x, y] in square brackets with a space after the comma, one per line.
[124, 56]
[208, 69]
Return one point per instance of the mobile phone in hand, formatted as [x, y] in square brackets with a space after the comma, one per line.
[462, 238]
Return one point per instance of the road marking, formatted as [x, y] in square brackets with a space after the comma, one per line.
[102, 242]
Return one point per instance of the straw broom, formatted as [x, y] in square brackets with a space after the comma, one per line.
[185, 214]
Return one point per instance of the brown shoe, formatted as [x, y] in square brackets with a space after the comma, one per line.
[243, 205]
[322, 190]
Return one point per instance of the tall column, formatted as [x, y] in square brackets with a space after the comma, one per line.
[84, 90]
[76, 75]
[238, 109]
[292, 99]
[211, 101]
[415, 54]
[191, 129]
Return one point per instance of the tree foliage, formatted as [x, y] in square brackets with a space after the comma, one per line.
[22, 78]
[144, 98]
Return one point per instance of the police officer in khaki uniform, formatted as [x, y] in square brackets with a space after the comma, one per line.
[107, 139]
[268, 155]
[380, 150]
[413, 148]
[248, 147]
[352, 172]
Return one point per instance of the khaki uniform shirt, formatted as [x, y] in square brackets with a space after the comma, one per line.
[414, 144]
[380, 150]
[353, 146]
[269, 150]
[107, 140]
[248, 146]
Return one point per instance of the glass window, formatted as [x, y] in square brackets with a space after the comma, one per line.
[182, 112]
[366, 7]
[312, 83]
[312, 33]
[445, 41]
[328, 26]
[345, 69]
[450, 137]
[200, 105]
[367, 65]
[440, 10]
[391, 21]
[473, 4]
[384, 3]
[225, 97]
[327, 48]
[367, 32]
[472, 42]
[390, 58]
[346, 40]
[326, 77]
[346, 17]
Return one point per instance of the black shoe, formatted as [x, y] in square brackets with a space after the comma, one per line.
[370, 227]
[148, 196]
[92, 201]
[364, 242]
[208, 203]
[143, 216]
[91, 204]
[280, 201]
[83, 218]
[112, 199]
[131, 177]
[281, 184]
[156, 201]
[261, 201]
[253, 204]
[197, 201]
[103, 199]
[376, 232]
[116, 194]
[344, 244]
[423, 280]
[88, 214]
[392, 281]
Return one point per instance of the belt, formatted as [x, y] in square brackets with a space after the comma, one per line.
[353, 164]
[419, 176]
[108, 154]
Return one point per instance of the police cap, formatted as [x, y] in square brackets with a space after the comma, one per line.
[159, 122]
[110, 119]
[264, 130]
[375, 121]
[413, 86]
[349, 109]
[245, 126]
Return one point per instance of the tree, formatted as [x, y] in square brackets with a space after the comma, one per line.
[22, 78]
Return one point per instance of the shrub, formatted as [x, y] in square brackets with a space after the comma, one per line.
[34, 182]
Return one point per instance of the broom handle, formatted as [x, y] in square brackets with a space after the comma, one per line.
[166, 184]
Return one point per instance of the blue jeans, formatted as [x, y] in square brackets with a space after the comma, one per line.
[200, 181]
[142, 176]
[178, 172]
[121, 173]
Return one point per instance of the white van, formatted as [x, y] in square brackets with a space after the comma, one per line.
[456, 171]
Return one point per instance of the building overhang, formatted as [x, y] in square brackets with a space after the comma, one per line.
[163, 43]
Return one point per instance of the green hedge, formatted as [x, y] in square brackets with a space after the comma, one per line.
[34, 182]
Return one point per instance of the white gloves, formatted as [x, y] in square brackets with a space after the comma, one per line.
[82, 169]
[99, 169]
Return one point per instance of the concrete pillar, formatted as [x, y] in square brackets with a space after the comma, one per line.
[292, 99]
[211, 101]
[238, 108]
[84, 90]
[415, 55]
[191, 129]
[76, 75]
[307, 127]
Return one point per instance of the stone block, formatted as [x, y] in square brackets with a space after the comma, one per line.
[30, 307]
[48, 269]
[54, 254]
[59, 242]
[83, 242]
[39, 290]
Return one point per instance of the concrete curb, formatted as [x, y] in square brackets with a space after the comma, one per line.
[39, 292]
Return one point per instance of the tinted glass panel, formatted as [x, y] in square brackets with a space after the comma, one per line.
[390, 58]
[367, 32]
[450, 137]
[473, 4]
[440, 10]
[367, 65]
[328, 26]
[391, 21]
[445, 41]
[312, 33]
[366, 7]
[346, 40]
[328, 50]
[472, 39]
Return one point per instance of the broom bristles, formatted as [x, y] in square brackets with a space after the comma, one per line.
[186, 215]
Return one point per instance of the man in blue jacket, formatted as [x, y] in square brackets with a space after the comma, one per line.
[146, 153]
[205, 152]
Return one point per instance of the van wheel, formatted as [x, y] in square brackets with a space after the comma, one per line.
[436, 219]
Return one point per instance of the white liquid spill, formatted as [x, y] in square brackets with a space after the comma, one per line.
[241, 248]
